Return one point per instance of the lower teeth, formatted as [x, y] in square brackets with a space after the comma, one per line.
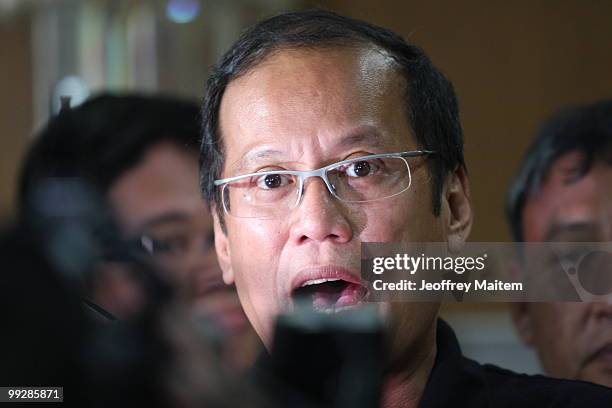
[333, 309]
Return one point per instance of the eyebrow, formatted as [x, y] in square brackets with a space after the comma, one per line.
[369, 137]
[584, 229]
[253, 156]
[165, 218]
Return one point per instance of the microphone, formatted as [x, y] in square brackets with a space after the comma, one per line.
[327, 360]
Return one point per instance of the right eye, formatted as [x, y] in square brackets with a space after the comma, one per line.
[272, 181]
[361, 169]
[166, 245]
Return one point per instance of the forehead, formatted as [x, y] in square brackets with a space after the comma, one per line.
[298, 98]
[568, 205]
[164, 182]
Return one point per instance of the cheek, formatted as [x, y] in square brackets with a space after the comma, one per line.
[255, 248]
[256, 240]
[401, 219]
[546, 322]
[559, 325]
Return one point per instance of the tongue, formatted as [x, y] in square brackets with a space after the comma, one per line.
[331, 295]
[324, 296]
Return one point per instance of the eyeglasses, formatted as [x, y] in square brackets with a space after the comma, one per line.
[272, 194]
[587, 267]
[176, 245]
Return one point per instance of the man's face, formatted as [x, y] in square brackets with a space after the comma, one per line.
[159, 199]
[302, 110]
[573, 340]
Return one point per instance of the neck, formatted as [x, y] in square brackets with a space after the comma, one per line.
[404, 389]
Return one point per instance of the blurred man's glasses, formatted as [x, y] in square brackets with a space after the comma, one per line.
[176, 246]
[272, 194]
[588, 267]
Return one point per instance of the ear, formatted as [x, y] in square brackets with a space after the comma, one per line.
[522, 321]
[460, 215]
[519, 311]
[223, 249]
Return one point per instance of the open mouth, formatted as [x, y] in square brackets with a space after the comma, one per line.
[329, 295]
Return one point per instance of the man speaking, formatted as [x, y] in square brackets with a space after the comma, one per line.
[322, 132]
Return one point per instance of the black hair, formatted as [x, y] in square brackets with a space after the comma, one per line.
[430, 101]
[104, 137]
[587, 129]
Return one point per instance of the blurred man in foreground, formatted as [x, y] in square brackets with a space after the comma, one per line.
[139, 153]
[563, 193]
[322, 132]
[154, 357]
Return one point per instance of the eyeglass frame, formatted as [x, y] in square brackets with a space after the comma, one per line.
[572, 271]
[146, 240]
[303, 175]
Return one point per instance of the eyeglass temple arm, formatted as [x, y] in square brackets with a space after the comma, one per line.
[417, 153]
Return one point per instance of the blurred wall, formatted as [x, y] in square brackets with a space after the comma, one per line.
[15, 103]
[513, 64]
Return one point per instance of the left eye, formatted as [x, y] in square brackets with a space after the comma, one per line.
[361, 169]
[166, 245]
[273, 181]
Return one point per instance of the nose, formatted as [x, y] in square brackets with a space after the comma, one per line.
[319, 216]
[602, 310]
